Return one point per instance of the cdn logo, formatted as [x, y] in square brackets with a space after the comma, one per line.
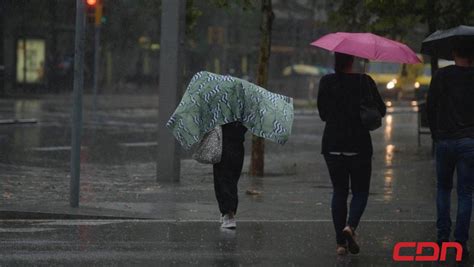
[439, 254]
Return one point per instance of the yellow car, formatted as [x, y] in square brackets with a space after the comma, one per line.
[385, 76]
[403, 81]
[409, 81]
[424, 79]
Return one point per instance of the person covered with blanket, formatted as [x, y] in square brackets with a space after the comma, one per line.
[236, 105]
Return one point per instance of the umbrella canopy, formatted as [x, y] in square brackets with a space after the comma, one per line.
[367, 45]
[211, 100]
[440, 43]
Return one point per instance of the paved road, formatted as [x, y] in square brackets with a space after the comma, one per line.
[202, 243]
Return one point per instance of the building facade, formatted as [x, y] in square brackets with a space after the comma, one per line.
[38, 45]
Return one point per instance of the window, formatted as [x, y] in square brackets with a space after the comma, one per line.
[30, 61]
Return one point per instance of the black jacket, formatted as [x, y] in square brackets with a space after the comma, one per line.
[339, 106]
[450, 103]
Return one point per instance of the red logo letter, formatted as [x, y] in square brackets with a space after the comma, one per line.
[396, 251]
[419, 251]
[444, 250]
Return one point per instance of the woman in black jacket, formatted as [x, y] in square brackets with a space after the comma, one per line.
[346, 145]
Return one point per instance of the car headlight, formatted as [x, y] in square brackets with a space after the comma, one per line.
[390, 85]
[417, 85]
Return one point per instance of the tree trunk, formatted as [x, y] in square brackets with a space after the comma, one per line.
[258, 144]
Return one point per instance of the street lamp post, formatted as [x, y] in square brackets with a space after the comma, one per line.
[171, 75]
[77, 100]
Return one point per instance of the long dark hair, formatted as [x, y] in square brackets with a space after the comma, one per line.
[342, 61]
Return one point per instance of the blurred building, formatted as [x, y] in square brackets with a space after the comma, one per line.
[38, 40]
[233, 37]
[38, 45]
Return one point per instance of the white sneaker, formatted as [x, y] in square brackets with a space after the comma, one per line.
[228, 223]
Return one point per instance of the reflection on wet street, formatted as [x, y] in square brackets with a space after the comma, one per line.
[388, 127]
[388, 185]
[110, 139]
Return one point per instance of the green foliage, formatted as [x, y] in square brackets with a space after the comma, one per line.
[393, 18]
[348, 15]
[455, 12]
[192, 15]
[244, 4]
[396, 18]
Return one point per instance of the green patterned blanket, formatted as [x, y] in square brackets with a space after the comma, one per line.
[211, 100]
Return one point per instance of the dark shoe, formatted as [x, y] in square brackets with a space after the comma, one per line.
[351, 242]
[341, 249]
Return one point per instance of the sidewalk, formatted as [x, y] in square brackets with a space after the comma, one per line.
[119, 181]
[113, 101]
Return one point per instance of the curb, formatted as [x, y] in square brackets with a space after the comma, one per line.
[29, 215]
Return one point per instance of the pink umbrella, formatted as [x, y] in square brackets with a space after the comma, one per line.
[367, 45]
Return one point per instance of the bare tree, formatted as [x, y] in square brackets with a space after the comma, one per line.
[258, 144]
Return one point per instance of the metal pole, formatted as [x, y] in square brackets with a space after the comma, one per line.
[171, 76]
[23, 34]
[76, 130]
[2, 52]
[96, 68]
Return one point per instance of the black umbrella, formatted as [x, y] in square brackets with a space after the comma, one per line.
[441, 42]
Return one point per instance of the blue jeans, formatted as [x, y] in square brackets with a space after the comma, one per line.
[450, 155]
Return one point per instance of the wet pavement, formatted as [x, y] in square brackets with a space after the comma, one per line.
[201, 243]
[118, 167]
[288, 208]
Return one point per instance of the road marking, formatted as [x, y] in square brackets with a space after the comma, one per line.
[139, 144]
[24, 230]
[18, 121]
[106, 221]
[76, 222]
[67, 148]
[53, 148]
